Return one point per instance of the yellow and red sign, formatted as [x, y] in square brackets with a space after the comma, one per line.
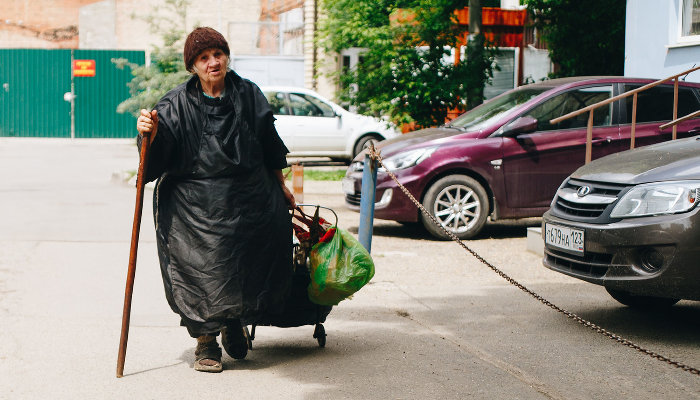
[84, 67]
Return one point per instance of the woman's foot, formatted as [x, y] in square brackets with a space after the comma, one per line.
[207, 355]
[234, 340]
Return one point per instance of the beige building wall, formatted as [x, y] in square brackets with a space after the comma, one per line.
[133, 29]
[97, 27]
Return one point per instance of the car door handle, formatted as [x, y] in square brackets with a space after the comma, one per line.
[601, 141]
[690, 132]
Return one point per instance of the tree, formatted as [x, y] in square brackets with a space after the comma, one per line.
[167, 69]
[407, 69]
[584, 37]
[477, 66]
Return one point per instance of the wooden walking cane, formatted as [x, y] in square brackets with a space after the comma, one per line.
[145, 144]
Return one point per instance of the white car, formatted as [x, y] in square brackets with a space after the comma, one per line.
[313, 126]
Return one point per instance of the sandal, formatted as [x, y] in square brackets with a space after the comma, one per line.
[207, 357]
[234, 340]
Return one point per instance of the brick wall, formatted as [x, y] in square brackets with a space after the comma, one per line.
[40, 23]
[271, 9]
[106, 24]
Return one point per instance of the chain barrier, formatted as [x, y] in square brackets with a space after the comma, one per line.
[376, 156]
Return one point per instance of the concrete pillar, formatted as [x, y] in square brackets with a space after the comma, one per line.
[310, 53]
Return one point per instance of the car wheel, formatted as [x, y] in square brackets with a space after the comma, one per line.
[460, 205]
[363, 143]
[638, 301]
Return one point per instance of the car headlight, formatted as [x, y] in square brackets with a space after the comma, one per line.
[658, 198]
[407, 159]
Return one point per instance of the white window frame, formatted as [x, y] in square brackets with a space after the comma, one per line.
[354, 53]
[691, 39]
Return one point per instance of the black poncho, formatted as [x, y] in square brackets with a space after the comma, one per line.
[222, 223]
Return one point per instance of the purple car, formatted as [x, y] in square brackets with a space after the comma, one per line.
[505, 160]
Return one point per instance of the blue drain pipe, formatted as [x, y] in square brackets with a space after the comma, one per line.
[369, 187]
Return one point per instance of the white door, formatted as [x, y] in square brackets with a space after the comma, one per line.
[284, 122]
[316, 126]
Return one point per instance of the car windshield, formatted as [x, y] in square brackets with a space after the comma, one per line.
[483, 115]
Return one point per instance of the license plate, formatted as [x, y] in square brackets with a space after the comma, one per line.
[563, 237]
[348, 185]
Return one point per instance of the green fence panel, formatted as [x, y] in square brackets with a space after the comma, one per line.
[98, 96]
[32, 85]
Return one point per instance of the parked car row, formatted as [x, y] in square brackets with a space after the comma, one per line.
[628, 221]
[504, 159]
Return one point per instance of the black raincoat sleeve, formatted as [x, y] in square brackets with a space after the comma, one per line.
[274, 150]
[161, 154]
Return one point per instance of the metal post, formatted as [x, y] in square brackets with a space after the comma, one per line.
[369, 186]
[72, 95]
[634, 120]
[675, 107]
[298, 182]
[589, 137]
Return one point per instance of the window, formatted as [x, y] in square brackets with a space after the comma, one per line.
[309, 106]
[690, 20]
[485, 114]
[276, 100]
[571, 101]
[656, 104]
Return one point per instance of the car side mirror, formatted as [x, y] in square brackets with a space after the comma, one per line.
[524, 124]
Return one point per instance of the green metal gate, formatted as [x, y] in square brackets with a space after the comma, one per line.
[33, 88]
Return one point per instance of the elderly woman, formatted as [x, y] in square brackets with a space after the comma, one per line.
[223, 227]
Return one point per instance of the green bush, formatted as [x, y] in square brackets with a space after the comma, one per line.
[319, 175]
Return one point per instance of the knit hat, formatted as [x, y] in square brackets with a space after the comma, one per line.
[200, 39]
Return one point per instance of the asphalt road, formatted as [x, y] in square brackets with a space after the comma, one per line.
[433, 323]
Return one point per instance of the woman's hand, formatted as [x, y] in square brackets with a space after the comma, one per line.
[289, 197]
[287, 193]
[147, 122]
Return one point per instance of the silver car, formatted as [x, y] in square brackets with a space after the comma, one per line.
[629, 222]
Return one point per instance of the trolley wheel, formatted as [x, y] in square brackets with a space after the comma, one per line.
[320, 335]
[248, 338]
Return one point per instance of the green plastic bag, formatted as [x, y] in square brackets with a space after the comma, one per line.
[339, 267]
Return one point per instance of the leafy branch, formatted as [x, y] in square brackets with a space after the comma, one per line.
[167, 69]
[407, 68]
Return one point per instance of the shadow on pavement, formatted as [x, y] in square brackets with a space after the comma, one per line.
[157, 368]
[679, 324]
[401, 348]
[271, 353]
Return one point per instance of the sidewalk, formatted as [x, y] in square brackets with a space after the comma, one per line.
[433, 323]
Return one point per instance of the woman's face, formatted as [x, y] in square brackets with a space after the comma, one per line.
[210, 65]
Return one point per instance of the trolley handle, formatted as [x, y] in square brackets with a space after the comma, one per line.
[299, 208]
